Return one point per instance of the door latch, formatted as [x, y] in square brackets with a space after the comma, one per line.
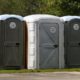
[17, 44]
[55, 46]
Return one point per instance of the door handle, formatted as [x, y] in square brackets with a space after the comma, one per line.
[17, 44]
[55, 45]
[79, 44]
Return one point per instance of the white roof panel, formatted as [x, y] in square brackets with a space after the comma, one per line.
[68, 18]
[6, 16]
[36, 17]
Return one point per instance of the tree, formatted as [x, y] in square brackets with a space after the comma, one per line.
[11, 7]
[27, 7]
[69, 7]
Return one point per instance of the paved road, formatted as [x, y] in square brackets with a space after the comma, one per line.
[42, 76]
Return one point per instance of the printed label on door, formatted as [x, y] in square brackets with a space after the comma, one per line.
[12, 25]
[52, 29]
[76, 26]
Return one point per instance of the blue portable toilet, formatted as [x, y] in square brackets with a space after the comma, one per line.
[72, 40]
[11, 41]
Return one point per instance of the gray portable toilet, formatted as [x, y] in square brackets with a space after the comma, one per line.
[72, 40]
[11, 41]
[45, 41]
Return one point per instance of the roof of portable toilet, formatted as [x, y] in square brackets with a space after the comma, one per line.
[68, 18]
[6, 16]
[3, 16]
[37, 17]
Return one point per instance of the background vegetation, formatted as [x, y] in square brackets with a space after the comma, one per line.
[27, 7]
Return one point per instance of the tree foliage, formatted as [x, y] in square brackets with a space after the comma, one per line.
[27, 7]
[69, 7]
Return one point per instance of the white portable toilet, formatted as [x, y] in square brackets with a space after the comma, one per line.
[12, 41]
[71, 40]
[45, 41]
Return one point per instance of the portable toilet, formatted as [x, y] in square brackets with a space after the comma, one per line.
[11, 41]
[45, 41]
[72, 40]
[1, 42]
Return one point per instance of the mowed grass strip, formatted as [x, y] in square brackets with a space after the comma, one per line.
[40, 70]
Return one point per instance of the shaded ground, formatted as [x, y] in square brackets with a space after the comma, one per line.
[42, 76]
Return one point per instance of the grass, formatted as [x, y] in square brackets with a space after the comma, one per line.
[40, 70]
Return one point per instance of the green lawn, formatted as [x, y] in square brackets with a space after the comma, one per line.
[39, 70]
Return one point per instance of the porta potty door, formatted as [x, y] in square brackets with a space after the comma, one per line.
[72, 41]
[1, 44]
[48, 45]
[13, 43]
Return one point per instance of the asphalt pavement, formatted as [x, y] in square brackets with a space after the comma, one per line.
[42, 76]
